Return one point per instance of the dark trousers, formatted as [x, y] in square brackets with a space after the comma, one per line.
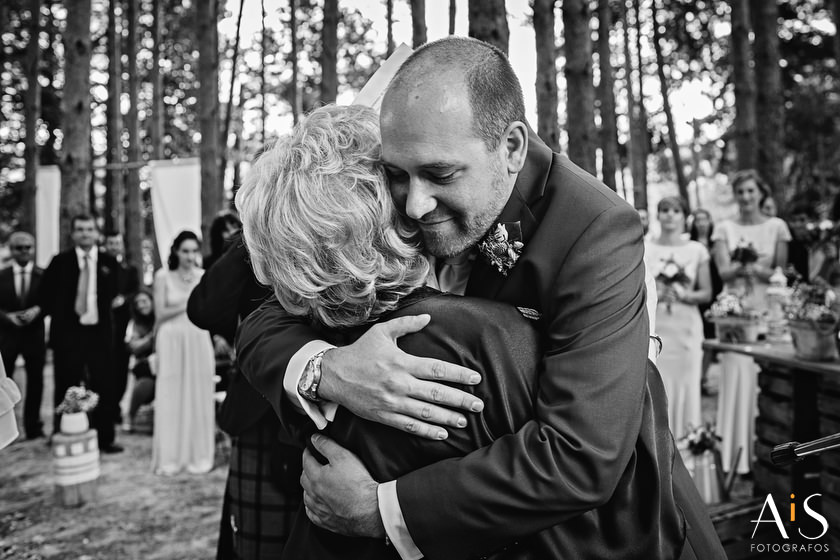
[88, 359]
[33, 352]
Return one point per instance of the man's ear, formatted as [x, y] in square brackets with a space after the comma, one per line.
[516, 146]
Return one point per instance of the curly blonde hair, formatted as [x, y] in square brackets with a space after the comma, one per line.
[320, 224]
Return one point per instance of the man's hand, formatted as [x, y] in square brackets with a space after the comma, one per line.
[376, 380]
[341, 495]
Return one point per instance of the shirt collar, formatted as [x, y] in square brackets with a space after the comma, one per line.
[93, 253]
[18, 269]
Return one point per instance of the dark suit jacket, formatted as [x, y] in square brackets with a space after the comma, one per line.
[128, 282]
[594, 454]
[227, 292]
[58, 296]
[34, 332]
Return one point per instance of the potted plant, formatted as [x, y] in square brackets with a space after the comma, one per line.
[734, 321]
[78, 401]
[812, 315]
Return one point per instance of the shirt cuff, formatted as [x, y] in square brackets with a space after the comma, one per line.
[394, 522]
[321, 413]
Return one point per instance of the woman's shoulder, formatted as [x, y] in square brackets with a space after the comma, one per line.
[162, 274]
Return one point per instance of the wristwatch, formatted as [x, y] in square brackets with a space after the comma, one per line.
[311, 378]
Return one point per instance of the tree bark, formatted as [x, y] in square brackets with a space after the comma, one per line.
[212, 190]
[640, 66]
[75, 150]
[453, 11]
[156, 130]
[32, 111]
[769, 102]
[636, 154]
[606, 98]
[743, 80]
[682, 183]
[547, 127]
[232, 86]
[488, 22]
[580, 91]
[835, 8]
[389, 15]
[263, 48]
[114, 176]
[133, 216]
[296, 93]
[418, 22]
[329, 52]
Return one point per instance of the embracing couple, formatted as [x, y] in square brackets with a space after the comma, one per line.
[460, 333]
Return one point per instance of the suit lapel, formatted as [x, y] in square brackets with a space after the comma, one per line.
[7, 285]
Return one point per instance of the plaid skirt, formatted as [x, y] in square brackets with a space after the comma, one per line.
[262, 495]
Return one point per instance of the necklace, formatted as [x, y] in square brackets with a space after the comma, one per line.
[186, 277]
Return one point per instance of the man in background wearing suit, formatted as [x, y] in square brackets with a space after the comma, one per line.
[128, 282]
[77, 291]
[22, 326]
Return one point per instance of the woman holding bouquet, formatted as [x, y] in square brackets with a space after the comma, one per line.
[746, 251]
[683, 281]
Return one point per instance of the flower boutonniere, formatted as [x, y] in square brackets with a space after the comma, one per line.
[502, 246]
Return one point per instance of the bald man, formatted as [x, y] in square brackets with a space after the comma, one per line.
[22, 326]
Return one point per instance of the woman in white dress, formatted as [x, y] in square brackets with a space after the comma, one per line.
[184, 417]
[769, 236]
[685, 264]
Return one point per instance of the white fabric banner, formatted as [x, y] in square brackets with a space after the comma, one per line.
[176, 199]
[47, 206]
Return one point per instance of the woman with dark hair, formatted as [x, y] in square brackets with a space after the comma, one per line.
[140, 343]
[702, 229]
[224, 227]
[681, 270]
[184, 423]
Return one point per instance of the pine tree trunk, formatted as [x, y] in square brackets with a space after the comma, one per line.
[606, 97]
[263, 49]
[114, 175]
[640, 66]
[296, 101]
[547, 127]
[769, 102]
[682, 183]
[50, 64]
[743, 79]
[453, 10]
[835, 8]
[635, 151]
[488, 22]
[156, 78]
[418, 22]
[32, 111]
[232, 86]
[212, 190]
[329, 52]
[389, 15]
[580, 91]
[133, 216]
[75, 107]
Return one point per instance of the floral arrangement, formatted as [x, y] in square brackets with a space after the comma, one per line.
[815, 303]
[672, 273]
[502, 246]
[77, 399]
[701, 439]
[728, 305]
[744, 253]
[817, 234]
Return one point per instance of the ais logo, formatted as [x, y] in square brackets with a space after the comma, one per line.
[770, 514]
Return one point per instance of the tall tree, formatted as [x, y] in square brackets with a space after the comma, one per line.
[234, 72]
[114, 201]
[133, 216]
[32, 111]
[638, 161]
[606, 97]
[75, 150]
[769, 102]
[682, 182]
[452, 12]
[297, 102]
[418, 22]
[263, 56]
[547, 127]
[580, 91]
[329, 52]
[835, 8]
[156, 79]
[212, 190]
[389, 15]
[488, 22]
[743, 80]
[642, 122]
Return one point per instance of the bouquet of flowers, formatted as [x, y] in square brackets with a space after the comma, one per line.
[77, 399]
[815, 303]
[745, 254]
[671, 274]
[728, 305]
[701, 439]
[817, 234]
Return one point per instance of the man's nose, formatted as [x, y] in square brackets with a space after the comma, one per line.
[419, 201]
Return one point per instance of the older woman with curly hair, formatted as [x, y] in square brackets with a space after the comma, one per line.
[323, 233]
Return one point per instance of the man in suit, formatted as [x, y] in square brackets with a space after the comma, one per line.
[22, 326]
[77, 291]
[463, 163]
[128, 282]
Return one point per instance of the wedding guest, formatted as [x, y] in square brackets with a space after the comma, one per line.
[223, 229]
[9, 396]
[803, 256]
[78, 289]
[769, 207]
[769, 238]
[702, 228]
[128, 282]
[140, 342]
[462, 164]
[683, 280]
[184, 417]
[22, 326]
[645, 218]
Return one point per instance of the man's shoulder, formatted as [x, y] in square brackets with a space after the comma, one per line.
[579, 190]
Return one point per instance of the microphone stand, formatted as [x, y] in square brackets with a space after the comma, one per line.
[787, 453]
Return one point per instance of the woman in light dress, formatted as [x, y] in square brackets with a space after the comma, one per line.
[678, 319]
[184, 416]
[769, 236]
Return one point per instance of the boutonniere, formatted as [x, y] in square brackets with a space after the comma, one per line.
[104, 270]
[502, 245]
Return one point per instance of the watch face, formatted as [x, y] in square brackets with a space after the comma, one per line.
[306, 379]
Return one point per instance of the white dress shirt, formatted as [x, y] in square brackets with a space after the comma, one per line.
[91, 316]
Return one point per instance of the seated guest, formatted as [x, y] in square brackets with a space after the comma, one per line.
[140, 342]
